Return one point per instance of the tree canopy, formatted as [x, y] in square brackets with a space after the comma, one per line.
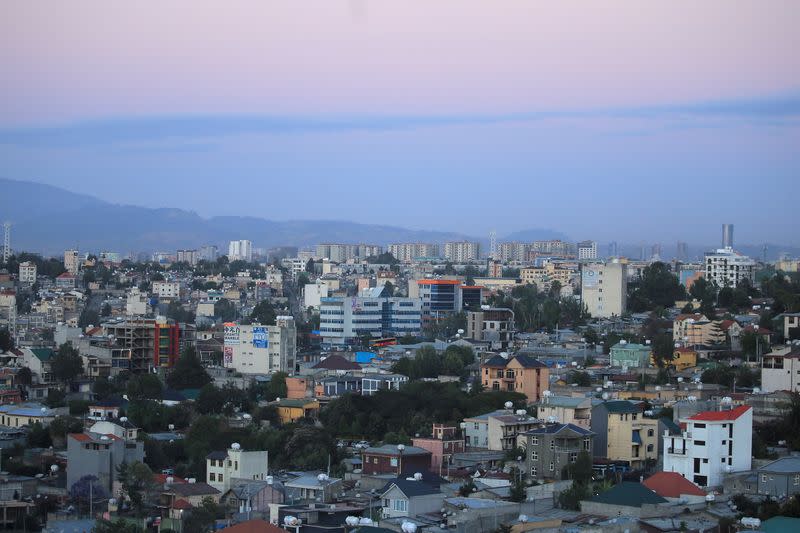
[188, 372]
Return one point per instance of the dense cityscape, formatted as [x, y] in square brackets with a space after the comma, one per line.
[413, 386]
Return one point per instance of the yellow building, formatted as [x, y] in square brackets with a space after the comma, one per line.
[292, 410]
[622, 433]
[684, 358]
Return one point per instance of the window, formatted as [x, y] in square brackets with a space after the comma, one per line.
[534, 455]
[212, 477]
[650, 433]
[533, 471]
[699, 443]
[219, 478]
[476, 426]
[649, 447]
[534, 441]
[552, 466]
[400, 505]
[700, 426]
[573, 456]
[393, 461]
[586, 443]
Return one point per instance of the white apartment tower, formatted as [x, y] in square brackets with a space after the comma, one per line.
[409, 251]
[462, 251]
[587, 250]
[27, 273]
[257, 349]
[604, 288]
[727, 267]
[241, 250]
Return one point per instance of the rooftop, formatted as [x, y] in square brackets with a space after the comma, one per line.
[721, 416]
[629, 494]
[671, 485]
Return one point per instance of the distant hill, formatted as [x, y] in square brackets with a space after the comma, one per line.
[49, 220]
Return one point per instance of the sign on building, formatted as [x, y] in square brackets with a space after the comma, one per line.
[231, 333]
[260, 337]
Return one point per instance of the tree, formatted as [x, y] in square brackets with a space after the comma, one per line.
[658, 287]
[224, 310]
[24, 376]
[145, 386]
[137, 483]
[6, 340]
[466, 489]
[119, 525]
[518, 492]
[211, 400]
[39, 436]
[66, 365]
[663, 349]
[263, 313]
[106, 310]
[85, 488]
[386, 258]
[202, 517]
[581, 470]
[188, 372]
[89, 317]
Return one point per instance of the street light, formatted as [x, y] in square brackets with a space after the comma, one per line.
[400, 448]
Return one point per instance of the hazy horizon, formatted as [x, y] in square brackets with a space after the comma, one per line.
[636, 123]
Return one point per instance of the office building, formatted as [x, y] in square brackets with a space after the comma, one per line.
[711, 445]
[442, 296]
[259, 349]
[409, 252]
[27, 273]
[462, 251]
[72, 261]
[604, 289]
[727, 267]
[587, 250]
[727, 235]
[241, 250]
[345, 320]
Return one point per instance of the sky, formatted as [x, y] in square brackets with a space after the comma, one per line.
[622, 120]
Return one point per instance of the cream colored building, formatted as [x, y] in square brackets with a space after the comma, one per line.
[545, 275]
[462, 251]
[27, 273]
[604, 289]
[71, 261]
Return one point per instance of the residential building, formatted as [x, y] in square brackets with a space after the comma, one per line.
[313, 488]
[517, 373]
[623, 433]
[137, 303]
[208, 253]
[72, 261]
[551, 447]
[408, 252]
[27, 273]
[292, 410]
[626, 499]
[713, 443]
[26, 414]
[498, 430]
[346, 320]
[780, 478]
[462, 251]
[682, 359]
[630, 355]
[397, 460]
[152, 342]
[604, 288]
[223, 467]
[252, 496]
[93, 454]
[167, 289]
[696, 330]
[512, 251]
[65, 281]
[780, 370]
[553, 248]
[544, 276]
[727, 267]
[241, 250]
[342, 253]
[187, 256]
[257, 349]
[491, 324]
[313, 293]
[410, 498]
[186, 495]
[791, 325]
[8, 310]
[372, 383]
[565, 409]
[443, 443]
[587, 250]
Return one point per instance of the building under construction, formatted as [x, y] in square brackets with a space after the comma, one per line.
[153, 343]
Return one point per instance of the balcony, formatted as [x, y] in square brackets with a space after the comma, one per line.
[676, 451]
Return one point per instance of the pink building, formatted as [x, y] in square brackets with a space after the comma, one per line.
[445, 442]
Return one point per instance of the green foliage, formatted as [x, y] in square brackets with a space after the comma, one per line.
[66, 364]
[88, 317]
[571, 498]
[753, 344]
[263, 313]
[137, 483]
[725, 375]
[24, 376]
[39, 436]
[145, 387]
[784, 428]
[534, 311]
[412, 409]
[274, 388]
[119, 525]
[103, 388]
[224, 310]
[386, 258]
[518, 492]
[202, 517]
[152, 416]
[466, 489]
[188, 372]
[78, 407]
[177, 312]
[582, 379]
[6, 340]
[55, 398]
[581, 470]
[427, 363]
[658, 287]
[706, 292]
[446, 327]
[663, 349]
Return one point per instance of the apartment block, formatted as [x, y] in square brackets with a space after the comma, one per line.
[27, 273]
[516, 373]
[623, 433]
[408, 252]
[222, 467]
[241, 250]
[492, 325]
[72, 261]
[551, 447]
[259, 349]
[462, 251]
[727, 267]
[345, 320]
[604, 289]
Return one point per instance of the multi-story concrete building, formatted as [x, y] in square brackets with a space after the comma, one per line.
[444, 296]
[8, 310]
[208, 253]
[222, 467]
[626, 354]
[555, 248]
[498, 430]
[443, 443]
[167, 289]
[27, 273]
[152, 342]
[623, 433]
[551, 447]
[72, 261]
[712, 444]
[187, 256]
[462, 251]
[241, 250]
[780, 478]
[397, 460]
[408, 252]
[604, 289]
[587, 250]
[727, 267]
[565, 409]
[545, 275]
[491, 324]
[695, 330]
[780, 370]
[342, 253]
[137, 303]
[513, 251]
[345, 320]
[93, 454]
[258, 349]
[517, 373]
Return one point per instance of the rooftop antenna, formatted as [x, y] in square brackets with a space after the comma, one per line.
[6, 241]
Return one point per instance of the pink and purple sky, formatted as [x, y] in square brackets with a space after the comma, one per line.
[623, 120]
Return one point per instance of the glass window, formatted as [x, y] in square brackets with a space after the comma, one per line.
[552, 466]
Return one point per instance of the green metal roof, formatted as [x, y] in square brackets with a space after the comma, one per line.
[43, 354]
[781, 524]
[621, 407]
[630, 494]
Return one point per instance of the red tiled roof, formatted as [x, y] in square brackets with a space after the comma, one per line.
[182, 504]
[760, 330]
[65, 275]
[671, 485]
[81, 437]
[161, 479]
[725, 324]
[720, 416]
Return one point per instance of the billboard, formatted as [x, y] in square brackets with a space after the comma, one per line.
[260, 337]
[227, 356]
[231, 333]
[589, 278]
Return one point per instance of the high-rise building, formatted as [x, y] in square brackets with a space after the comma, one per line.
[513, 251]
[71, 261]
[727, 235]
[682, 252]
[408, 252]
[613, 249]
[208, 253]
[6, 241]
[345, 320]
[727, 267]
[550, 248]
[187, 256]
[258, 349]
[241, 250]
[152, 342]
[587, 250]
[655, 252]
[341, 253]
[27, 272]
[462, 251]
[604, 288]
